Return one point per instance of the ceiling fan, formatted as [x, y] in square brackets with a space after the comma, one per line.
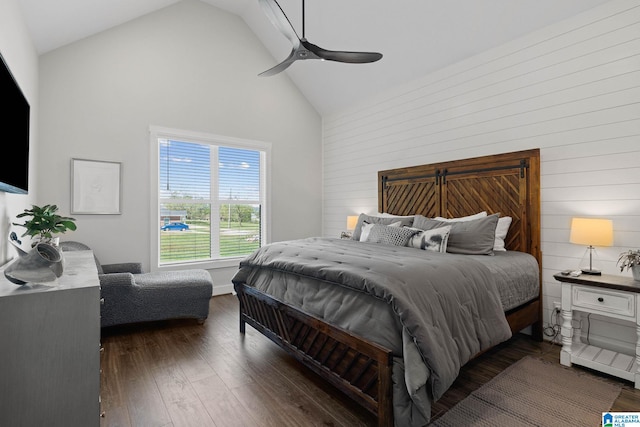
[302, 49]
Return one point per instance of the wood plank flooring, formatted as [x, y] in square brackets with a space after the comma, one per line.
[179, 373]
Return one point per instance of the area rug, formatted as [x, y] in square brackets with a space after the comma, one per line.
[532, 392]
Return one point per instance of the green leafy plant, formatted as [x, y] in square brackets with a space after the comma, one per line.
[45, 222]
[629, 259]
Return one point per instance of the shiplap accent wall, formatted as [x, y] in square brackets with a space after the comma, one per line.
[571, 89]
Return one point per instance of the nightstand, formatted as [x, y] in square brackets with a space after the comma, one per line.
[606, 295]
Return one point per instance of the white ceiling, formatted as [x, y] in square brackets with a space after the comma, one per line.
[416, 37]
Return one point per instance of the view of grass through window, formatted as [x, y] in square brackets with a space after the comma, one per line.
[193, 243]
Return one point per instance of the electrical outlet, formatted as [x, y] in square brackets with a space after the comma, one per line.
[557, 306]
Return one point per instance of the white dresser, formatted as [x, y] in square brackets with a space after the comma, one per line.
[50, 348]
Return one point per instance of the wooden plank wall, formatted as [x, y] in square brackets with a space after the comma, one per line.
[571, 89]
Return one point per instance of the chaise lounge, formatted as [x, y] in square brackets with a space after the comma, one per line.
[131, 296]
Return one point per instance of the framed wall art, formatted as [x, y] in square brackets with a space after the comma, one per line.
[95, 187]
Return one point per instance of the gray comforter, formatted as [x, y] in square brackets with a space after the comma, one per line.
[448, 305]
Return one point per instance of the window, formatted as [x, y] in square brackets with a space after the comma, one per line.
[211, 198]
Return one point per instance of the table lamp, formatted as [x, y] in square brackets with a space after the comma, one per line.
[352, 221]
[591, 232]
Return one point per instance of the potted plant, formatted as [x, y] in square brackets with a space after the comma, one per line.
[630, 260]
[44, 223]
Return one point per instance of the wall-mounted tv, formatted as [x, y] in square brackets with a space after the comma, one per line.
[14, 125]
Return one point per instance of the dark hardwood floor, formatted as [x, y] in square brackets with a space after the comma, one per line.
[181, 373]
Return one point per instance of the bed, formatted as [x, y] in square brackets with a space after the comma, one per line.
[360, 314]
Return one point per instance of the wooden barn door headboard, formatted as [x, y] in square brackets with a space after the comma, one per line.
[508, 184]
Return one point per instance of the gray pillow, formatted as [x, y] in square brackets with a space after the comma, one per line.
[475, 237]
[404, 221]
[397, 236]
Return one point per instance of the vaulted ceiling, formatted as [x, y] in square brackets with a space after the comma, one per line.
[416, 37]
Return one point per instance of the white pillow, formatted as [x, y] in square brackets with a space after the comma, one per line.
[504, 222]
[430, 240]
[463, 218]
[388, 215]
[366, 229]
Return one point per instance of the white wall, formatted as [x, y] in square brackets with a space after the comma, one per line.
[190, 66]
[572, 90]
[21, 57]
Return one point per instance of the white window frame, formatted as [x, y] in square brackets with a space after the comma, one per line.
[157, 132]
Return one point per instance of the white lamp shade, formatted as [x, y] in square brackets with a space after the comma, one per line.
[591, 232]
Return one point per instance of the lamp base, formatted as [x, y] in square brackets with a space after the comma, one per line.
[590, 262]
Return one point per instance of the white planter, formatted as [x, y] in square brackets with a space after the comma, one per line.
[635, 271]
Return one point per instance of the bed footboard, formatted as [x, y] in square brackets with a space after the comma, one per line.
[359, 368]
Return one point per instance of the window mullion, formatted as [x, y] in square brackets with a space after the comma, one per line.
[215, 204]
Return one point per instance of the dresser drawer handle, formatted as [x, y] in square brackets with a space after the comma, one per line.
[600, 299]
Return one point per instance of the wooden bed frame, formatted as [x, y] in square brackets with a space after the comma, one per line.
[506, 183]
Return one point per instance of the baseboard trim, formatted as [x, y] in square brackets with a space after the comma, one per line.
[222, 289]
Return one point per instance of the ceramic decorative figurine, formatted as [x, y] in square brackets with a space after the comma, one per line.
[41, 264]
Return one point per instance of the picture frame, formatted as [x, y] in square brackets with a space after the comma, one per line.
[95, 187]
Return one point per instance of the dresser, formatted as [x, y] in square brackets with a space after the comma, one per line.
[605, 295]
[50, 348]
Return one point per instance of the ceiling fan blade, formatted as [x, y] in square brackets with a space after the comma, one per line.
[302, 49]
[281, 66]
[342, 56]
[279, 20]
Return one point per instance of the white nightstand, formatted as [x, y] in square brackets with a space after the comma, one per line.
[606, 295]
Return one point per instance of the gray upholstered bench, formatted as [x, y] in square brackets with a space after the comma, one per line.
[131, 296]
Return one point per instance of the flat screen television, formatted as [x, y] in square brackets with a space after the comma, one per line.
[14, 125]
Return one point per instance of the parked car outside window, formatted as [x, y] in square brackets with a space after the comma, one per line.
[175, 226]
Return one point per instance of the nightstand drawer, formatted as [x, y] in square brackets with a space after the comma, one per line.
[606, 301]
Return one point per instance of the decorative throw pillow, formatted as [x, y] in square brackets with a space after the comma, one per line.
[397, 236]
[431, 240]
[366, 229]
[371, 219]
[474, 237]
[504, 222]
